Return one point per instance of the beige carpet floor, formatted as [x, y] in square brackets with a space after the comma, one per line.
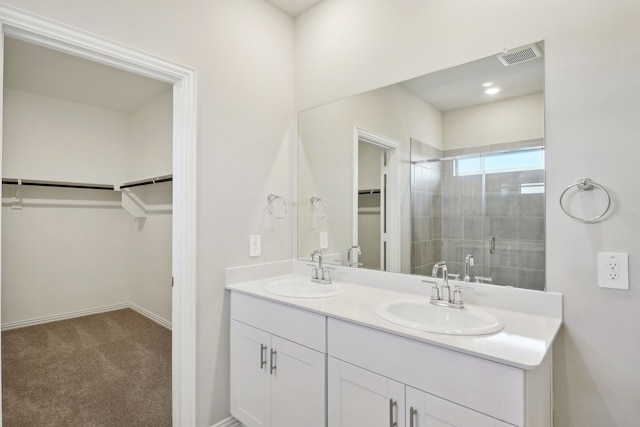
[108, 369]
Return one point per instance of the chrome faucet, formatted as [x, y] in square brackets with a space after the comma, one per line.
[350, 263]
[445, 290]
[320, 274]
[468, 263]
[443, 296]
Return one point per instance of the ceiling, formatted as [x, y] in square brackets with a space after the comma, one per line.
[294, 7]
[461, 86]
[33, 68]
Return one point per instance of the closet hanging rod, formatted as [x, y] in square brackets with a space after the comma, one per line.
[165, 178]
[371, 191]
[33, 182]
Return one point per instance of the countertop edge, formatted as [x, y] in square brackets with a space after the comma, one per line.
[552, 325]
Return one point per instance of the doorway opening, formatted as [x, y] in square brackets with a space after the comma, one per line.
[376, 206]
[27, 28]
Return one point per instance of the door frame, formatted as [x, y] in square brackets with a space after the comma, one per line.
[37, 30]
[393, 216]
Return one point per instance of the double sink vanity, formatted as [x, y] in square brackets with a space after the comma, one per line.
[370, 349]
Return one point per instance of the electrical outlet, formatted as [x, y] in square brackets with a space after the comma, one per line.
[254, 245]
[613, 270]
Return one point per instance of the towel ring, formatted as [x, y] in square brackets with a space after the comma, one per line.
[277, 206]
[585, 184]
[318, 207]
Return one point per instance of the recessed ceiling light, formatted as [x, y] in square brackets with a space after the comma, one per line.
[487, 84]
[492, 91]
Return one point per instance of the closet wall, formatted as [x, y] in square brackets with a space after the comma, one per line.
[67, 251]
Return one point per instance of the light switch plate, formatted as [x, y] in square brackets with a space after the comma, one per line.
[613, 270]
[324, 240]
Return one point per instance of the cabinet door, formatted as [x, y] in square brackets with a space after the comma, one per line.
[297, 385]
[426, 410]
[360, 398]
[250, 377]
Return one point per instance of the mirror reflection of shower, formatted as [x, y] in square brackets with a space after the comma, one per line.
[483, 205]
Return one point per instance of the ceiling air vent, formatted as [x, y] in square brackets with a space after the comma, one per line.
[519, 55]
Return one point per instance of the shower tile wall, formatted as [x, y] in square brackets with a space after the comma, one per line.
[447, 222]
[426, 209]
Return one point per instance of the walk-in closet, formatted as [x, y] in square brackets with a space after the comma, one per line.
[86, 242]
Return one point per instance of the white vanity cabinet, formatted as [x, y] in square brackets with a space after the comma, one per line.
[278, 364]
[444, 387]
[426, 410]
[358, 397]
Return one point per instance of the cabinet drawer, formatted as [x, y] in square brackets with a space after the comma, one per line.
[303, 327]
[491, 388]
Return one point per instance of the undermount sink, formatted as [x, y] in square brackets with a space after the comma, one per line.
[303, 288]
[420, 314]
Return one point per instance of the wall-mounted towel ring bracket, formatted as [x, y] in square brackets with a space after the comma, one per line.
[276, 206]
[318, 207]
[586, 184]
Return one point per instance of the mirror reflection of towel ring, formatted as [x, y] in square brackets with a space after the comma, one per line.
[277, 206]
[586, 184]
[318, 207]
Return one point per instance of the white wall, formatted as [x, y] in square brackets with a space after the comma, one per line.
[150, 139]
[511, 120]
[41, 132]
[243, 53]
[591, 108]
[58, 260]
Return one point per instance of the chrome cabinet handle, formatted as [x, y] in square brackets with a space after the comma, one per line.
[412, 413]
[273, 361]
[392, 404]
[263, 356]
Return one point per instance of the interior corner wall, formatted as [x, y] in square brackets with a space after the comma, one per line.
[591, 129]
[151, 145]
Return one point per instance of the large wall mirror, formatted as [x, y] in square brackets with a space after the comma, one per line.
[444, 167]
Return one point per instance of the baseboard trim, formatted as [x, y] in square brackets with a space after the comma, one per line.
[159, 320]
[228, 422]
[104, 309]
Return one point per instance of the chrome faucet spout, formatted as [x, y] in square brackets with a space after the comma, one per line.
[313, 258]
[468, 263]
[445, 290]
[350, 261]
[321, 273]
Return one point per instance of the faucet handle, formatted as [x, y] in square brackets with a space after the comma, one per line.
[481, 279]
[453, 276]
[314, 271]
[435, 292]
[457, 298]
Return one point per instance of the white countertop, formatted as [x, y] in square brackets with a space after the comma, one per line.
[523, 342]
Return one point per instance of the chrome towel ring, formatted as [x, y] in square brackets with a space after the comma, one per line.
[318, 207]
[586, 184]
[276, 206]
